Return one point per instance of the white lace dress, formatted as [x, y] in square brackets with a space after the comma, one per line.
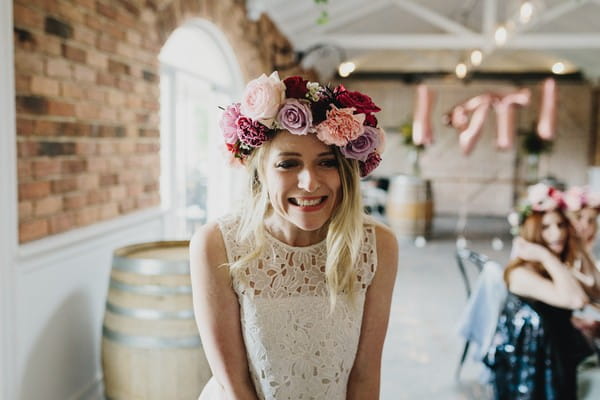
[295, 348]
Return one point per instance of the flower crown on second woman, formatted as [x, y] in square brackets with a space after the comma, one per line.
[337, 116]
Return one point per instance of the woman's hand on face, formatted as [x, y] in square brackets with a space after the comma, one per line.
[529, 251]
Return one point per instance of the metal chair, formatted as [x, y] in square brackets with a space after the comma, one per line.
[465, 256]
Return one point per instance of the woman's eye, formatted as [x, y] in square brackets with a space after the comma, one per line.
[331, 163]
[286, 164]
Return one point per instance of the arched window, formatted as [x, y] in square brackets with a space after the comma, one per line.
[199, 74]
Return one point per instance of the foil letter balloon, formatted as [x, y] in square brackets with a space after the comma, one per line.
[505, 116]
[422, 134]
[547, 121]
[479, 105]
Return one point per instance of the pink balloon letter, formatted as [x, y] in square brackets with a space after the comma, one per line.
[422, 132]
[547, 120]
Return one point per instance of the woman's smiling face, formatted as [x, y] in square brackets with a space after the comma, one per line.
[302, 180]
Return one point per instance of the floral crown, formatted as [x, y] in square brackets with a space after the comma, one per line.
[541, 198]
[337, 116]
[578, 198]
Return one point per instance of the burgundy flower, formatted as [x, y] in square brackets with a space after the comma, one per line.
[361, 102]
[295, 87]
[251, 133]
[370, 120]
[368, 166]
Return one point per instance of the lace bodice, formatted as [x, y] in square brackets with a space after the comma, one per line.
[295, 348]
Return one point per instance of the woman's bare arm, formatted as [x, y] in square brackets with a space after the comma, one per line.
[218, 315]
[562, 290]
[364, 378]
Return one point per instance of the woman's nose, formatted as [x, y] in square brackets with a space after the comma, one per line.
[308, 180]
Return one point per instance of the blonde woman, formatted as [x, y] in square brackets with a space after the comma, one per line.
[292, 294]
[536, 349]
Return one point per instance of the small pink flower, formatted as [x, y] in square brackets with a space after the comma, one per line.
[592, 199]
[370, 164]
[263, 97]
[574, 198]
[543, 197]
[228, 125]
[340, 126]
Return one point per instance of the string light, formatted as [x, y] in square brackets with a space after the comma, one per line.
[500, 35]
[558, 68]
[461, 70]
[525, 12]
[346, 68]
[476, 58]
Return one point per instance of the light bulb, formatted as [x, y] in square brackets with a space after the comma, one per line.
[525, 12]
[476, 58]
[558, 68]
[461, 70]
[346, 68]
[500, 35]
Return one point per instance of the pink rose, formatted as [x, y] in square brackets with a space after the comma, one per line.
[543, 197]
[228, 123]
[574, 198]
[592, 199]
[262, 98]
[340, 126]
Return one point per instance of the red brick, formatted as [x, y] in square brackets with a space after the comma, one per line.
[31, 230]
[84, 35]
[97, 196]
[134, 37]
[72, 91]
[89, 182]
[97, 59]
[108, 11]
[64, 185]
[126, 205]
[73, 166]
[116, 98]
[107, 114]
[24, 170]
[85, 148]
[58, 68]
[47, 206]
[25, 210]
[86, 111]
[82, 73]
[135, 189]
[61, 108]
[44, 168]
[29, 62]
[106, 79]
[70, 13]
[62, 222]
[44, 86]
[50, 45]
[24, 127]
[22, 83]
[97, 95]
[108, 211]
[75, 201]
[27, 149]
[106, 43]
[97, 164]
[25, 16]
[33, 190]
[87, 216]
[118, 193]
[73, 53]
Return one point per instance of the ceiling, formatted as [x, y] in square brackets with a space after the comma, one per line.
[410, 36]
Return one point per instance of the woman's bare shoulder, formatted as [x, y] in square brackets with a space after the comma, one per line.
[207, 244]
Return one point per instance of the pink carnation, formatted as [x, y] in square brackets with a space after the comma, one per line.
[251, 133]
[370, 164]
[228, 123]
[340, 126]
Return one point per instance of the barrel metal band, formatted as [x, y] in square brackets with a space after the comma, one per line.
[153, 290]
[144, 313]
[151, 267]
[151, 341]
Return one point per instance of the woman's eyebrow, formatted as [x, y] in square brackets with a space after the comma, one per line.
[293, 154]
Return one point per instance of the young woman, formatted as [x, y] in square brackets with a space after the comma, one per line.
[536, 349]
[292, 293]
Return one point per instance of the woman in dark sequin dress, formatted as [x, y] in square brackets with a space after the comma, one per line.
[536, 349]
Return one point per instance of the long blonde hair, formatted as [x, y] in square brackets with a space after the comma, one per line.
[532, 232]
[344, 230]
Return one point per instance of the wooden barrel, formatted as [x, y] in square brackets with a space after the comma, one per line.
[150, 343]
[409, 207]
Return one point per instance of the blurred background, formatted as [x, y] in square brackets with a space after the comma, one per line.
[109, 137]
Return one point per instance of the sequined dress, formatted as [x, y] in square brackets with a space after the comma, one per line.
[535, 352]
[295, 348]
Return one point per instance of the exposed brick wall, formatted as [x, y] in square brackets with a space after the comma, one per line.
[87, 96]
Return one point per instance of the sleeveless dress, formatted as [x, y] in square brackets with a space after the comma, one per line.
[535, 352]
[295, 348]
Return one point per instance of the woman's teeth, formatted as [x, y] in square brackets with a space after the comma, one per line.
[306, 202]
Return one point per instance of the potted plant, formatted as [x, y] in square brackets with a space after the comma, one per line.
[533, 147]
[415, 150]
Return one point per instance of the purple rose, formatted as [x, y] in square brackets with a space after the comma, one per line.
[228, 123]
[295, 116]
[251, 133]
[361, 147]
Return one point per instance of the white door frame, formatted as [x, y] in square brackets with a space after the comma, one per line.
[8, 206]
